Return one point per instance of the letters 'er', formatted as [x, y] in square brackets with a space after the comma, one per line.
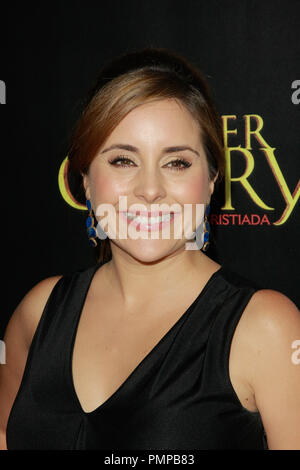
[290, 198]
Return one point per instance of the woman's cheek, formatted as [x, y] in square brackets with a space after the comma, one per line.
[194, 190]
[107, 190]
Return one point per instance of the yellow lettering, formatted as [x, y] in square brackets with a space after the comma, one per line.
[242, 179]
[256, 132]
[227, 131]
[290, 199]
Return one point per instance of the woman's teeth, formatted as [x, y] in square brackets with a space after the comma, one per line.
[149, 220]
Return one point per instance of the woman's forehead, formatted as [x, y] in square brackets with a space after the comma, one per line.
[162, 121]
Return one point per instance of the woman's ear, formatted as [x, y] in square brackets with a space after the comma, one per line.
[212, 183]
[85, 182]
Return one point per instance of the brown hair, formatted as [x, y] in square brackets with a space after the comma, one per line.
[131, 80]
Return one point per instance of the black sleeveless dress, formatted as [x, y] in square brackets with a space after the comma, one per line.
[179, 397]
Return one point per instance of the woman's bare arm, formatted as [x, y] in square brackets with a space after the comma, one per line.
[272, 333]
[18, 337]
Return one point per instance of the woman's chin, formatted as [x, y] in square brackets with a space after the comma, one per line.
[147, 251]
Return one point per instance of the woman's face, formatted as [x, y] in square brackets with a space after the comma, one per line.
[151, 175]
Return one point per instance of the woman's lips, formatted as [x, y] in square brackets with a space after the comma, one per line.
[142, 219]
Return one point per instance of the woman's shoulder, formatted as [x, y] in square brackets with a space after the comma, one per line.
[267, 331]
[269, 316]
[26, 316]
[271, 310]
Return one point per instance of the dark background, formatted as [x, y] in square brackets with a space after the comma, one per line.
[249, 50]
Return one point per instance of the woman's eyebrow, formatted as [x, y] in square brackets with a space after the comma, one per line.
[131, 148]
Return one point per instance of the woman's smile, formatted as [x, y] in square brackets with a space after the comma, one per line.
[149, 221]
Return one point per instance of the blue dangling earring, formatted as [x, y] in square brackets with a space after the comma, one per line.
[206, 229]
[91, 231]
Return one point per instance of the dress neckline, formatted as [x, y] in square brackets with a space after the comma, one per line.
[117, 392]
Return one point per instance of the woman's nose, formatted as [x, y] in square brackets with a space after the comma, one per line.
[149, 185]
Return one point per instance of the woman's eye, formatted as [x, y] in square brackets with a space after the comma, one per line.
[179, 164]
[121, 161]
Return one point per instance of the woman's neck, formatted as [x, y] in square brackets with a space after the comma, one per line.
[138, 282]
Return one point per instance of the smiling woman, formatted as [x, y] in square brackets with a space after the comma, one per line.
[153, 80]
[156, 346]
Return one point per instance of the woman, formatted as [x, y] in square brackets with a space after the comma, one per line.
[157, 346]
